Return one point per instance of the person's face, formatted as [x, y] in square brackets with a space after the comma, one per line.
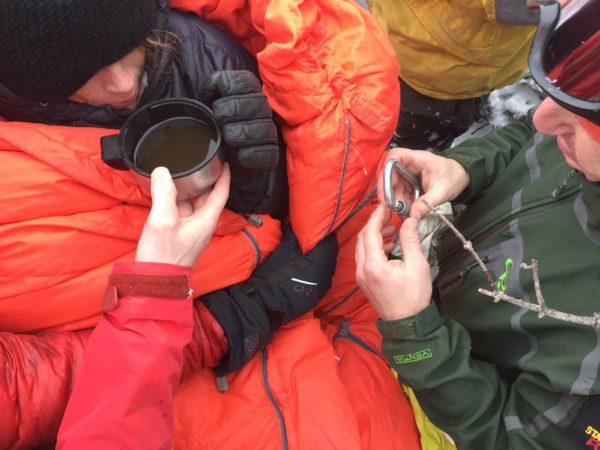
[117, 85]
[580, 150]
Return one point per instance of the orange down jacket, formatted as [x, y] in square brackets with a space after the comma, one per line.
[65, 218]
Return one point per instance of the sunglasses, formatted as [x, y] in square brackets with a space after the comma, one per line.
[565, 57]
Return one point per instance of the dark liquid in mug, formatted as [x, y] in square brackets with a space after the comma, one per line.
[178, 144]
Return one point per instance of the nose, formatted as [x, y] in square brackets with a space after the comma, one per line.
[119, 79]
[552, 119]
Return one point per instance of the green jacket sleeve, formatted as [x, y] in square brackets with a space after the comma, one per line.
[485, 158]
[461, 395]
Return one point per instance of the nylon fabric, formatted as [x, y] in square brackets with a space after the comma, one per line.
[453, 50]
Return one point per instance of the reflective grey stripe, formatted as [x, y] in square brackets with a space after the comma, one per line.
[532, 161]
[514, 248]
[582, 217]
[588, 374]
[515, 322]
[543, 420]
[589, 370]
[515, 12]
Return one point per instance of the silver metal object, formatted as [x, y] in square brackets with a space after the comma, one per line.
[406, 176]
[192, 184]
[119, 150]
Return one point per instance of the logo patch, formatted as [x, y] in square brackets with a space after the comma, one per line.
[413, 357]
[585, 429]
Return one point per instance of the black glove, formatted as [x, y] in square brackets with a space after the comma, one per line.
[286, 285]
[243, 112]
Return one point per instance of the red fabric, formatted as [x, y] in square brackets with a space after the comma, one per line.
[209, 343]
[38, 374]
[579, 73]
[592, 129]
[123, 395]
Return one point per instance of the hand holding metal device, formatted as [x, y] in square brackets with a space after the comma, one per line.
[400, 207]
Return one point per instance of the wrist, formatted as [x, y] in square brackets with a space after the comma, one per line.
[418, 326]
[391, 314]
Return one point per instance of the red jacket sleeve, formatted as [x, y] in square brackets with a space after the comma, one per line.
[123, 396]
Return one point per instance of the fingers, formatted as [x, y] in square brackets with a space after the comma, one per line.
[388, 231]
[255, 132]
[230, 82]
[401, 188]
[409, 241]
[418, 210]
[425, 202]
[240, 108]
[371, 236]
[185, 208]
[215, 201]
[259, 157]
[164, 195]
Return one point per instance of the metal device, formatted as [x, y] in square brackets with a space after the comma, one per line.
[400, 207]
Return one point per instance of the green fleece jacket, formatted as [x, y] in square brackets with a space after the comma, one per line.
[493, 375]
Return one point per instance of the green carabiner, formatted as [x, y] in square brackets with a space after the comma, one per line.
[501, 283]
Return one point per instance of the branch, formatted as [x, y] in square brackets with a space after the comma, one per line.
[496, 294]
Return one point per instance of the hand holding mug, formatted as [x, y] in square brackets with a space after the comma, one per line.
[176, 232]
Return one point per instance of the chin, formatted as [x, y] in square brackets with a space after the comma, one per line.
[593, 177]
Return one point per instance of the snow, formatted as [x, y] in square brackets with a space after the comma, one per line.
[505, 105]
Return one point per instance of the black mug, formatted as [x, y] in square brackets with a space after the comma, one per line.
[178, 133]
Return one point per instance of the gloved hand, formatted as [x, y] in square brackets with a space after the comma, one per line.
[285, 286]
[246, 120]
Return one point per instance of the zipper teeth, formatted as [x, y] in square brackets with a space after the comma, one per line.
[263, 364]
[255, 245]
[345, 333]
[343, 174]
[486, 232]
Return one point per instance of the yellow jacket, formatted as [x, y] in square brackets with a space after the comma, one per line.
[457, 49]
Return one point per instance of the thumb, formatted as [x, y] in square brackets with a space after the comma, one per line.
[409, 241]
[164, 194]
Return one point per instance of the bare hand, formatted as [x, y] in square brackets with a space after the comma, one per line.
[397, 289]
[177, 232]
[442, 179]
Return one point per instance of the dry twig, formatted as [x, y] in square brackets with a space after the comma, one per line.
[496, 294]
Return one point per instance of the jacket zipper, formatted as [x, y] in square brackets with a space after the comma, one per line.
[345, 333]
[280, 419]
[490, 230]
[338, 304]
[255, 245]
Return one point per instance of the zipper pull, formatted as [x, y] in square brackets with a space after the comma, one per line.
[560, 189]
[222, 384]
[254, 220]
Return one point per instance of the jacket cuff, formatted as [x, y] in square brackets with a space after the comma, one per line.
[147, 279]
[417, 326]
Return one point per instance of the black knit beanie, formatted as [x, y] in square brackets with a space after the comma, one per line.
[50, 48]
